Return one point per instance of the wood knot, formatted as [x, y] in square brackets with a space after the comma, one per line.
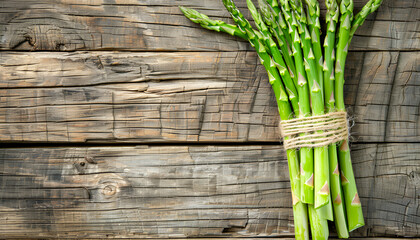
[110, 186]
[40, 29]
[109, 190]
[82, 165]
[42, 37]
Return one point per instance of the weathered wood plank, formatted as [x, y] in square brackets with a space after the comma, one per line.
[194, 96]
[188, 191]
[389, 89]
[67, 25]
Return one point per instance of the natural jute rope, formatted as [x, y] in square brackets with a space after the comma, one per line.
[315, 131]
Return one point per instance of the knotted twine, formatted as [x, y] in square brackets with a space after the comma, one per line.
[314, 131]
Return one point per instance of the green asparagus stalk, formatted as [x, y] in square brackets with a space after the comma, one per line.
[299, 208]
[322, 169]
[329, 53]
[360, 17]
[340, 221]
[215, 25]
[337, 195]
[346, 9]
[348, 26]
[352, 202]
[319, 226]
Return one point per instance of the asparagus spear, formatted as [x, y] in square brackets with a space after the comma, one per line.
[299, 208]
[360, 17]
[215, 25]
[347, 28]
[319, 226]
[351, 197]
[339, 214]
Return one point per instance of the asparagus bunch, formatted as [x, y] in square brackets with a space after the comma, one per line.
[307, 79]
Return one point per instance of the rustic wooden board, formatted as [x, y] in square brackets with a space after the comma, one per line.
[191, 96]
[188, 191]
[67, 25]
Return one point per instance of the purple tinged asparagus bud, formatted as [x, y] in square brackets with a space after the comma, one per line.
[346, 48]
[356, 200]
[301, 80]
[337, 67]
[344, 180]
[295, 200]
[282, 69]
[336, 171]
[313, 36]
[311, 54]
[332, 100]
[283, 96]
[271, 78]
[307, 67]
[290, 93]
[296, 38]
[310, 181]
[325, 67]
[291, 72]
[332, 76]
[307, 35]
[315, 87]
[325, 190]
[338, 200]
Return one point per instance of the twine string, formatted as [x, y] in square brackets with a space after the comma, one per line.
[314, 131]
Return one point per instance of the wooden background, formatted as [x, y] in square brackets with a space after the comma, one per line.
[122, 119]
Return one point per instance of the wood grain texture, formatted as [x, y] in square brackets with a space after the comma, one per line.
[194, 96]
[108, 71]
[67, 25]
[188, 191]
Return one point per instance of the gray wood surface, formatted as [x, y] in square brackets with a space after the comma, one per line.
[188, 191]
[189, 96]
[137, 71]
[159, 26]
